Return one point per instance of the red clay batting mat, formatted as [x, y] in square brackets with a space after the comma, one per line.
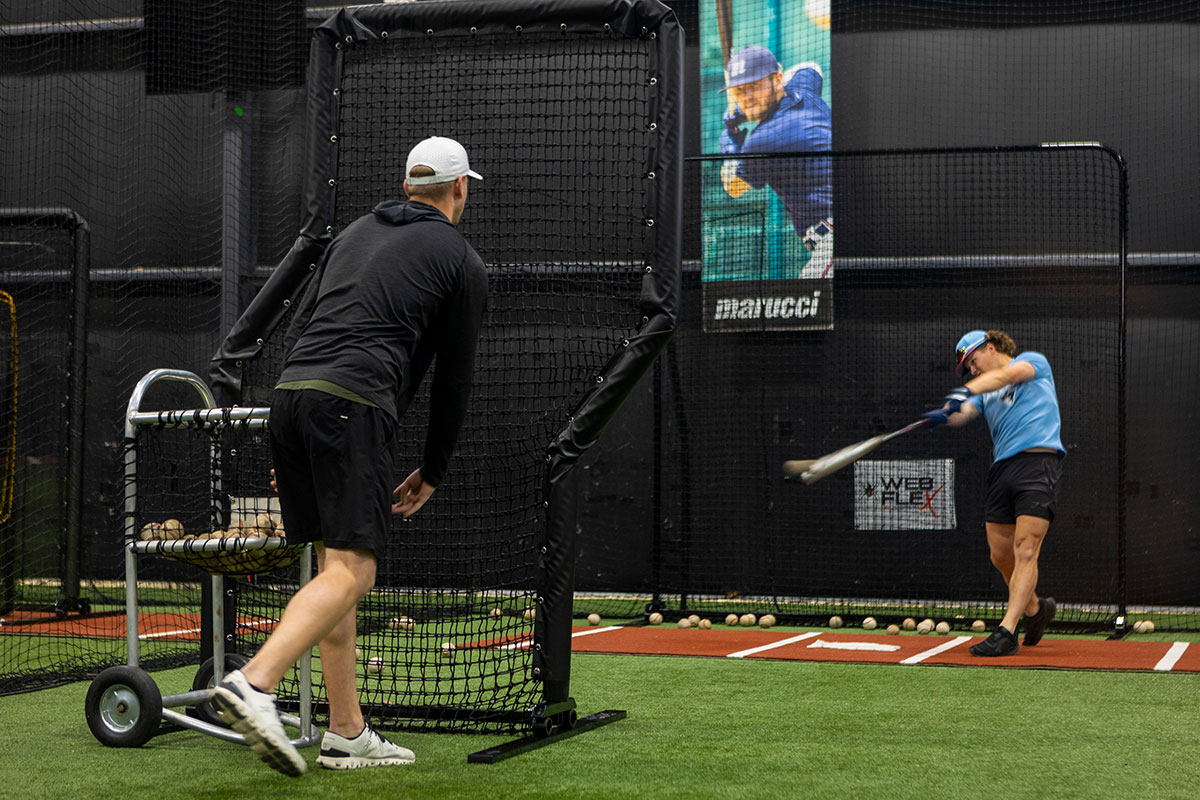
[868, 648]
[151, 625]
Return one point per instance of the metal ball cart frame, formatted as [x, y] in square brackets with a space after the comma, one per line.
[124, 706]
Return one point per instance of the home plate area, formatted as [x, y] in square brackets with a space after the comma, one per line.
[865, 648]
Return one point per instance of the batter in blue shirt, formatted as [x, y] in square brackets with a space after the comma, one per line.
[790, 116]
[1015, 394]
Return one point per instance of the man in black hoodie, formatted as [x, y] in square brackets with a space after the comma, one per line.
[395, 288]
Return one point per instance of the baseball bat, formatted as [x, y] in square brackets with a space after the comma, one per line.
[810, 471]
[725, 32]
[725, 29]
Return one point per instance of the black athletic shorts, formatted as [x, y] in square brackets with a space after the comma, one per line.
[1026, 483]
[334, 467]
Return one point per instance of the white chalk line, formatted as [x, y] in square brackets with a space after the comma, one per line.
[773, 645]
[526, 642]
[933, 651]
[183, 631]
[872, 646]
[1168, 662]
[597, 630]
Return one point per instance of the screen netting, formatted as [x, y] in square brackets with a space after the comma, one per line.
[559, 121]
[39, 565]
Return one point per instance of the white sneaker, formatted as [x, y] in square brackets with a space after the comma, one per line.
[252, 713]
[368, 749]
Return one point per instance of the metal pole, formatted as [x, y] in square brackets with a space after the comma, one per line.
[1122, 433]
[238, 245]
[657, 503]
[76, 411]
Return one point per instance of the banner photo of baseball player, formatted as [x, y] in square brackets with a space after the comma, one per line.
[767, 221]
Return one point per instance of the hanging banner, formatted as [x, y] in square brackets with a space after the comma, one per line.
[904, 495]
[767, 223]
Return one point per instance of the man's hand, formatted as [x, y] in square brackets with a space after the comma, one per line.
[956, 398]
[734, 119]
[734, 185]
[939, 416]
[411, 495]
[274, 486]
[732, 136]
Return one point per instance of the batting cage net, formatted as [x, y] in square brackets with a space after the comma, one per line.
[159, 172]
[560, 110]
[43, 308]
[169, 147]
[930, 246]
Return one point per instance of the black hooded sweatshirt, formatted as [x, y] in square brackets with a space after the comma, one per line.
[395, 288]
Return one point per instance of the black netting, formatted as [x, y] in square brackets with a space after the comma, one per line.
[557, 124]
[941, 244]
[185, 155]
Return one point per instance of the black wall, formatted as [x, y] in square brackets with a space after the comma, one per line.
[148, 173]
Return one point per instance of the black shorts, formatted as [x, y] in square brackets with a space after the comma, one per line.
[334, 467]
[1025, 484]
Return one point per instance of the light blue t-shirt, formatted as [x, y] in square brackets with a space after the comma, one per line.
[1023, 415]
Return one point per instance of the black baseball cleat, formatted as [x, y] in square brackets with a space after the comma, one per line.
[1002, 642]
[1035, 626]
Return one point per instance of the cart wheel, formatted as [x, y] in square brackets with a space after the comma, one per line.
[205, 679]
[123, 707]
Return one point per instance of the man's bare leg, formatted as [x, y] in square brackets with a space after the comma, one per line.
[1028, 535]
[314, 612]
[1000, 542]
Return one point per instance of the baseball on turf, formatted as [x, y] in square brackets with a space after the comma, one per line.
[529, 613]
[655, 618]
[694, 619]
[448, 649]
[979, 626]
[1148, 626]
[401, 623]
[684, 623]
[835, 622]
[375, 664]
[593, 619]
[925, 626]
[869, 624]
[766, 620]
[747, 620]
[1139, 626]
[909, 624]
[495, 613]
[731, 619]
[943, 628]
[704, 624]
[893, 630]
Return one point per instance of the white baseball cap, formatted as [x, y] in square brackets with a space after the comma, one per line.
[446, 157]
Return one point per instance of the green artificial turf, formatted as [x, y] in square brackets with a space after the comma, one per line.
[702, 728]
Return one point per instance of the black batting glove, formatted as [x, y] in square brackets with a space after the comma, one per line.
[954, 400]
[939, 416]
[734, 119]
